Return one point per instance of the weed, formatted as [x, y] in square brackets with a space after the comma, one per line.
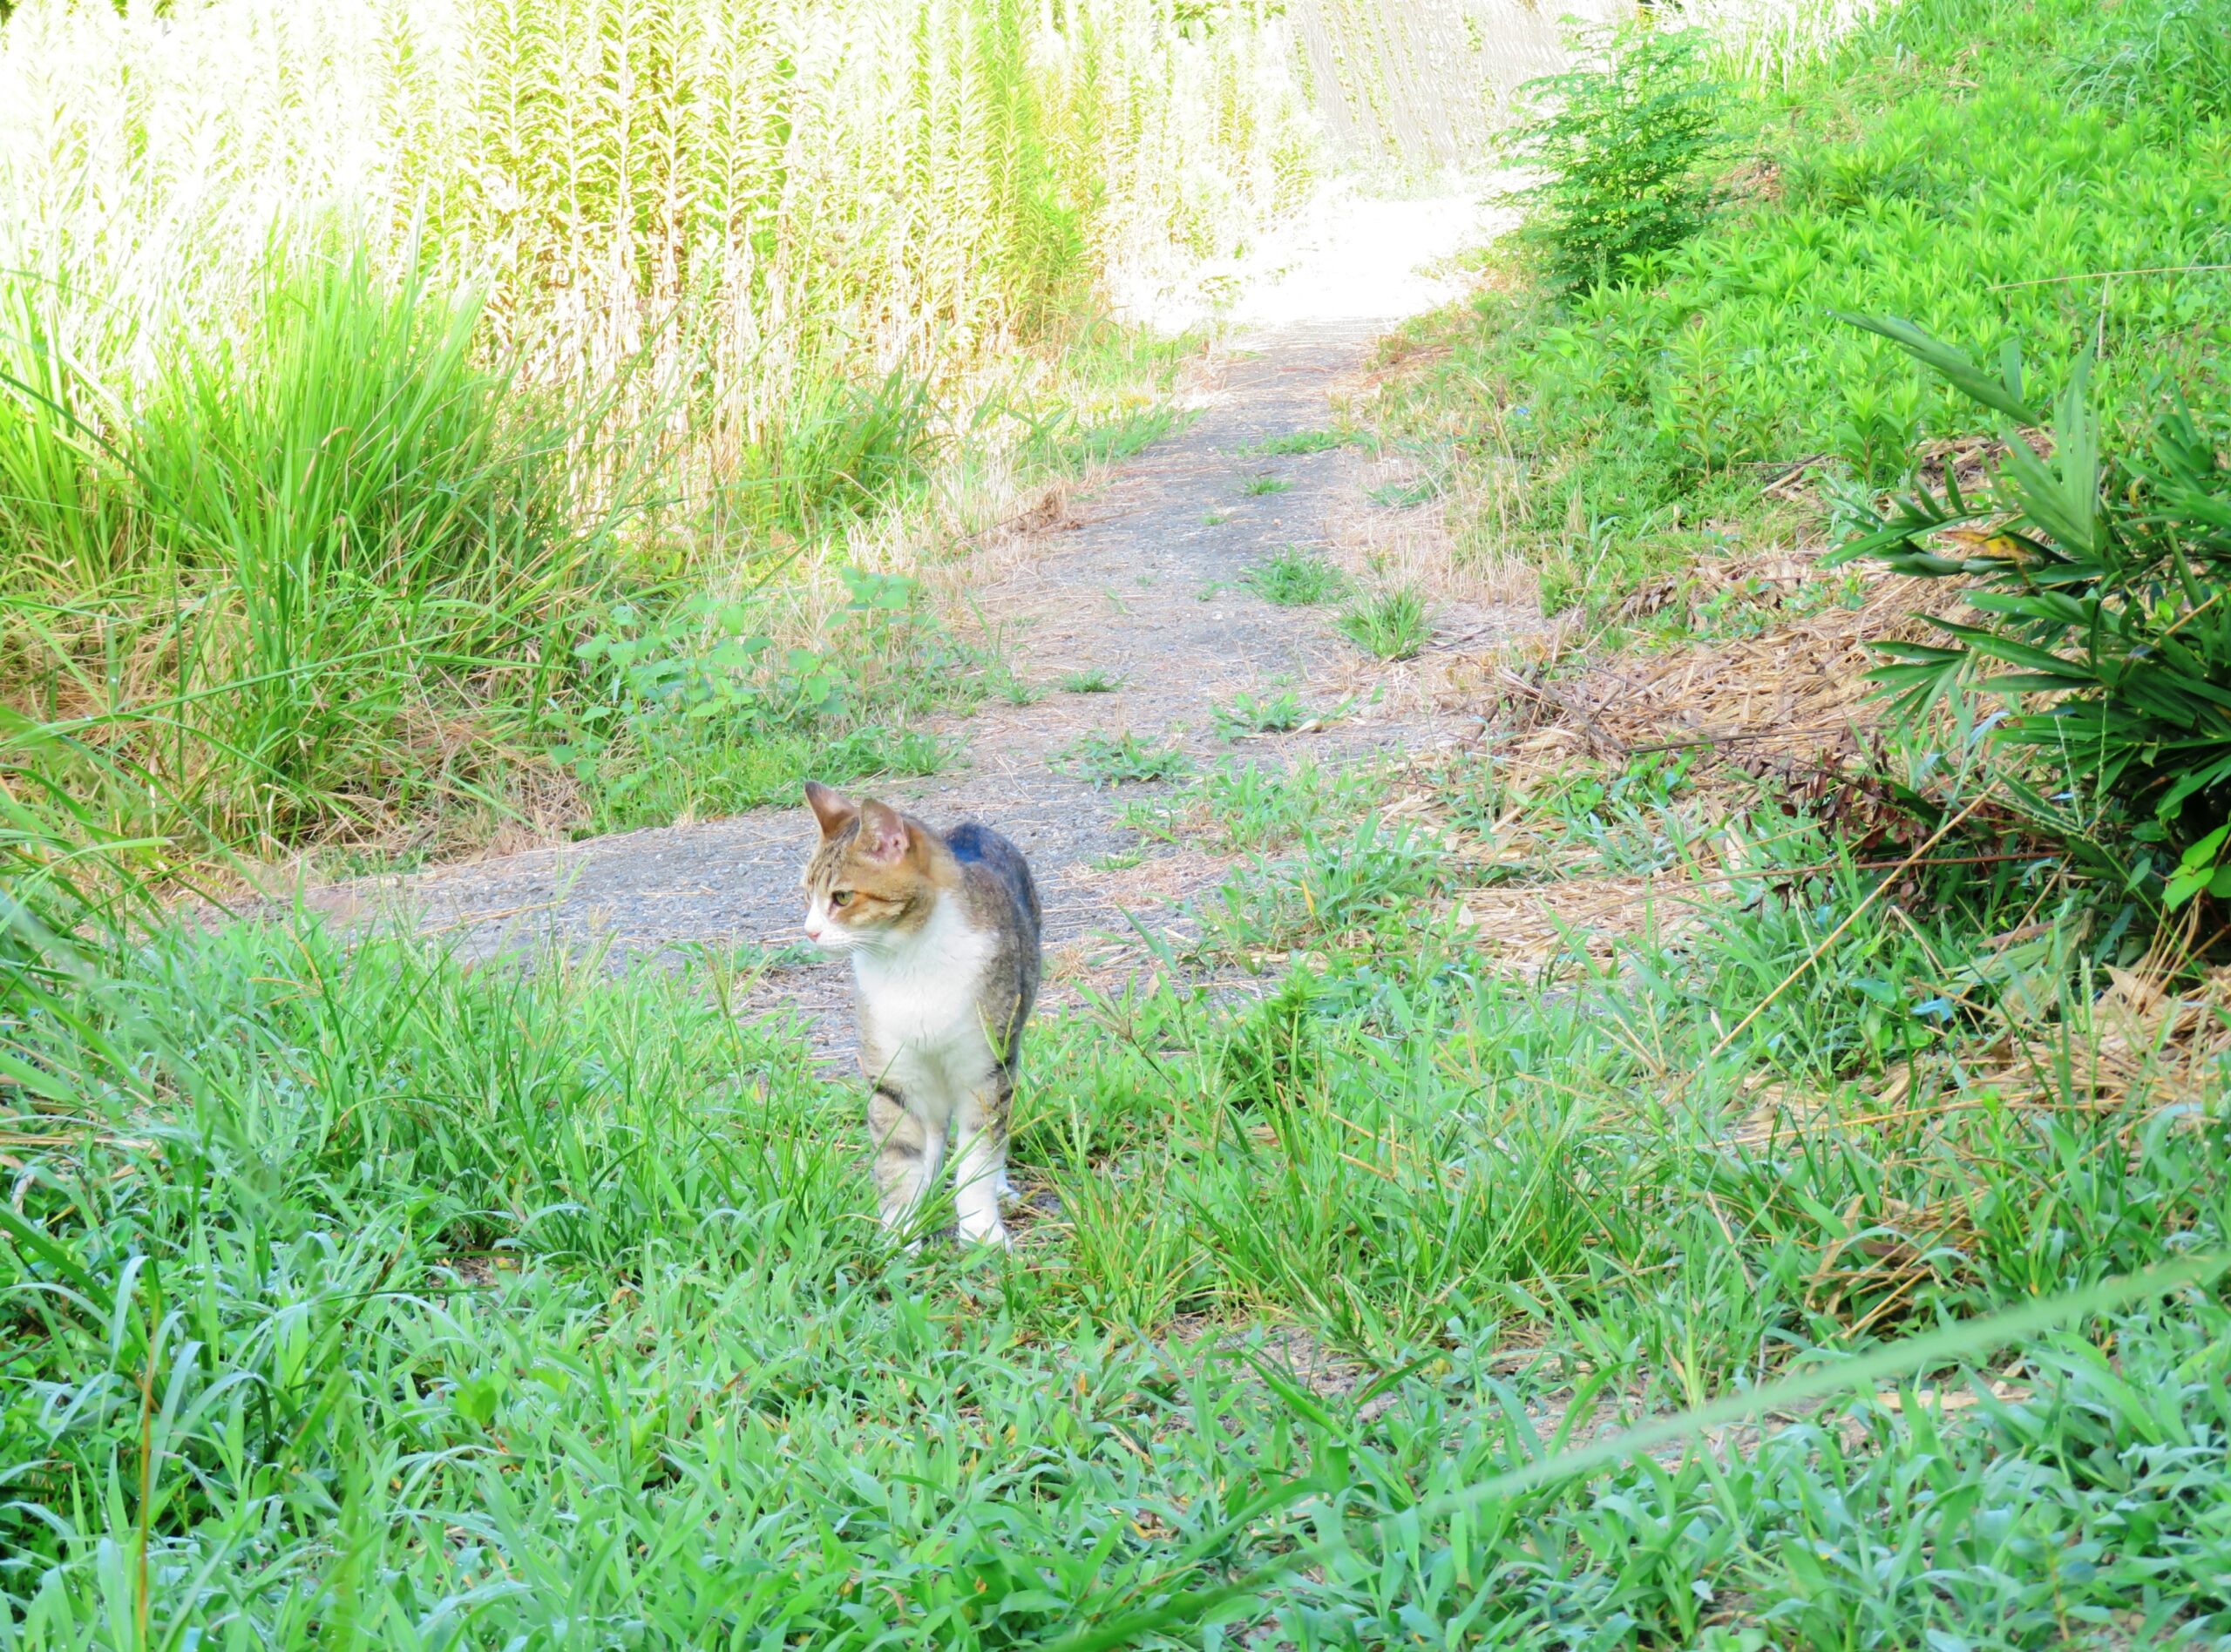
[1111, 760]
[1393, 623]
[2100, 584]
[1214, 519]
[1007, 685]
[1407, 494]
[1297, 442]
[1370, 882]
[1248, 807]
[1093, 680]
[696, 710]
[1295, 578]
[1281, 714]
[1272, 1054]
[1265, 484]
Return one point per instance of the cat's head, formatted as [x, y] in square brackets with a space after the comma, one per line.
[874, 875]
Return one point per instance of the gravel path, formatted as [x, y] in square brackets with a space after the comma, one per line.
[1143, 582]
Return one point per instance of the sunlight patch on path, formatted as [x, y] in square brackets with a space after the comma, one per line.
[1346, 261]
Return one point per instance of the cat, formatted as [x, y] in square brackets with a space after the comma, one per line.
[942, 930]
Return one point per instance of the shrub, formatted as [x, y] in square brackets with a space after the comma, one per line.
[2100, 581]
[1623, 144]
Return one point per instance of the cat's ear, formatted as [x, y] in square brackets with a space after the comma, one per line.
[883, 833]
[832, 809]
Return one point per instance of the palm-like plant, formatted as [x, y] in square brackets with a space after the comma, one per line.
[2101, 584]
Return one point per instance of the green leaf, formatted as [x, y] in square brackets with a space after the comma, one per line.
[2003, 393]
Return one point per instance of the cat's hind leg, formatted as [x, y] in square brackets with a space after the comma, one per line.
[909, 1153]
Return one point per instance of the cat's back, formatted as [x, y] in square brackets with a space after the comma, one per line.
[988, 855]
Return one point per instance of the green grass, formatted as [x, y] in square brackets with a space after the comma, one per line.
[349, 1279]
[1258, 485]
[1294, 442]
[1393, 623]
[1113, 760]
[1095, 680]
[353, 1293]
[1295, 578]
[1980, 168]
[1276, 713]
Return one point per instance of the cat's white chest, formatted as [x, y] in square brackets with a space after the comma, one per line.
[921, 999]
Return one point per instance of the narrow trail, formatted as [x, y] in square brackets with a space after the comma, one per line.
[1143, 583]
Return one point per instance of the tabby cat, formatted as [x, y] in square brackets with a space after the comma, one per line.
[942, 930]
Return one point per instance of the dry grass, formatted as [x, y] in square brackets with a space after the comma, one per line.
[1797, 692]
[1525, 928]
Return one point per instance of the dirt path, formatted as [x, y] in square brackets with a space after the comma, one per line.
[1143, 584]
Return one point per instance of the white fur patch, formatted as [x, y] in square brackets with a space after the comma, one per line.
[919, 991]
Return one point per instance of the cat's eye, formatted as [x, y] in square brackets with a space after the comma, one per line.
[840, 897]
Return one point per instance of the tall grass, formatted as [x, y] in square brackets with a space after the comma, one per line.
[356, 359]
[743, 201]
[291, 573]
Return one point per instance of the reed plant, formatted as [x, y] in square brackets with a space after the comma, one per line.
[357, 361]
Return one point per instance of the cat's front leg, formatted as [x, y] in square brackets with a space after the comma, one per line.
[980, 1173]
[909, 1152]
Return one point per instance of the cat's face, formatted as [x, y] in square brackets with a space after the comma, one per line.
[869, 880]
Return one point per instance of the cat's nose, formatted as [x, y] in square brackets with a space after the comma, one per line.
[812, 930]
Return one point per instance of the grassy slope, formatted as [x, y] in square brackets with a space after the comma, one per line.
[368, 1299]
[1950, 169]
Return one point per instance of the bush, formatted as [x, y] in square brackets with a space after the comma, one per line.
[2101, 584]
[1623, 144]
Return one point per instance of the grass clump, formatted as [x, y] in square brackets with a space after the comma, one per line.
[1116, 760]
[1295, 578]
[1095, 680]
[273, 586]
[1393, 623]
[1276, 713]
[1294, 442]
[1258, 485]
